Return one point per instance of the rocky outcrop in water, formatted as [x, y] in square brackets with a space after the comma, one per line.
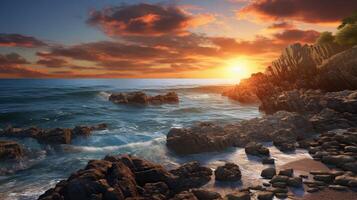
[144, 99]
[128, 177]
[51, 136]
[10, 150]
[208, 136]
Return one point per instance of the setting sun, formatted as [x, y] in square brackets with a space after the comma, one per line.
[238, 68]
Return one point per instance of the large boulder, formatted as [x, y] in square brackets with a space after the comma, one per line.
[202, 137]
[256, 149]
[228, 172]
[143, 99]
[190, 175]
[128, 177]
[10, 150]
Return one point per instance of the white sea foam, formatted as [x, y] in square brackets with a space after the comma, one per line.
[104, 95]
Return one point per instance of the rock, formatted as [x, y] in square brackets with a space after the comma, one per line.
[190, 175]
[295, 182]
[279, 178]
[10, 150]
[312, 190]
[286, 172]
[256, 149]
[284, 140]
[351, 149]
[337, 160]
[343, 180]
[55, 136]
[206, 195]
[281, 195]
[129, 177]
[338, 187]
[208, 136]
[143, 99]
[324, 178]
[350, 166]
[243, 195]
[339, 69]
[268, 161]
[52, 136]
[268, 173]
[265, 195]
[203, 137]
[184, 196]
[228, 172]
[279, 184]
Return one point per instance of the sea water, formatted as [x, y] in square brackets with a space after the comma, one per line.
[137, 130]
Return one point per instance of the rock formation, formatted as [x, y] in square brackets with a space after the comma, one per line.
[10, 150]
[143, 99]
[51, 136]
[128, 177]
[208, 136]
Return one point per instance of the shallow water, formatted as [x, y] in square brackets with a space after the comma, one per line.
[132, 129]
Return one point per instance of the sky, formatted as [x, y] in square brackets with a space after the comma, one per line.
[156, 39]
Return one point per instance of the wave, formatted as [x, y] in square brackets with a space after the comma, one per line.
[105, 95]
[109, 149]
[186, 110]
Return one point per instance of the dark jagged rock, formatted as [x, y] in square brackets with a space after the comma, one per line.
[208, 136]
[55, 136]
[190, 175]
[143, 99]
[129, 177]
[228, 172]
[10, 150]
[52, 136]
[256, 149]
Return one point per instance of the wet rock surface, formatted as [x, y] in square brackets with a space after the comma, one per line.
[208, 136]
[10, 150]
[125, 177]
[228, 172]
[51, 136]
[144, 99]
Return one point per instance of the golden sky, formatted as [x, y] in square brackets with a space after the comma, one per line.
[151, 39]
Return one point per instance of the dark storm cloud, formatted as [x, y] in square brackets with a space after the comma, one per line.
[140, 19]
[17, 40]
[312, 11]
[296, 35]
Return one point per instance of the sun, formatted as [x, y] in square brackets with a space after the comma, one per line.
[238, 68]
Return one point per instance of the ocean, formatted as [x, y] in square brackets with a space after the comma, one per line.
[137, 130]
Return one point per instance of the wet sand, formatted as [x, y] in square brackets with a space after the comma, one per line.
[304, 166]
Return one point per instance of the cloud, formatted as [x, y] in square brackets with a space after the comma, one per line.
[11, 65]
[146, 19]
[296, 35]
[281, 25]
[53, 62]
[140, 19]
[310, 11]
[17, 40]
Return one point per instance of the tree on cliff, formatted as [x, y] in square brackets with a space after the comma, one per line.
[346, 34]
[325, 37]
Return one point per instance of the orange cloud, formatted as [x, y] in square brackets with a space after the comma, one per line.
[140, 19]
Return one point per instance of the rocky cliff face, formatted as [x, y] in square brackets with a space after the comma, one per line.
[340, 71]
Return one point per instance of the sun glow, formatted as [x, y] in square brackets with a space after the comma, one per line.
[238, 68]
